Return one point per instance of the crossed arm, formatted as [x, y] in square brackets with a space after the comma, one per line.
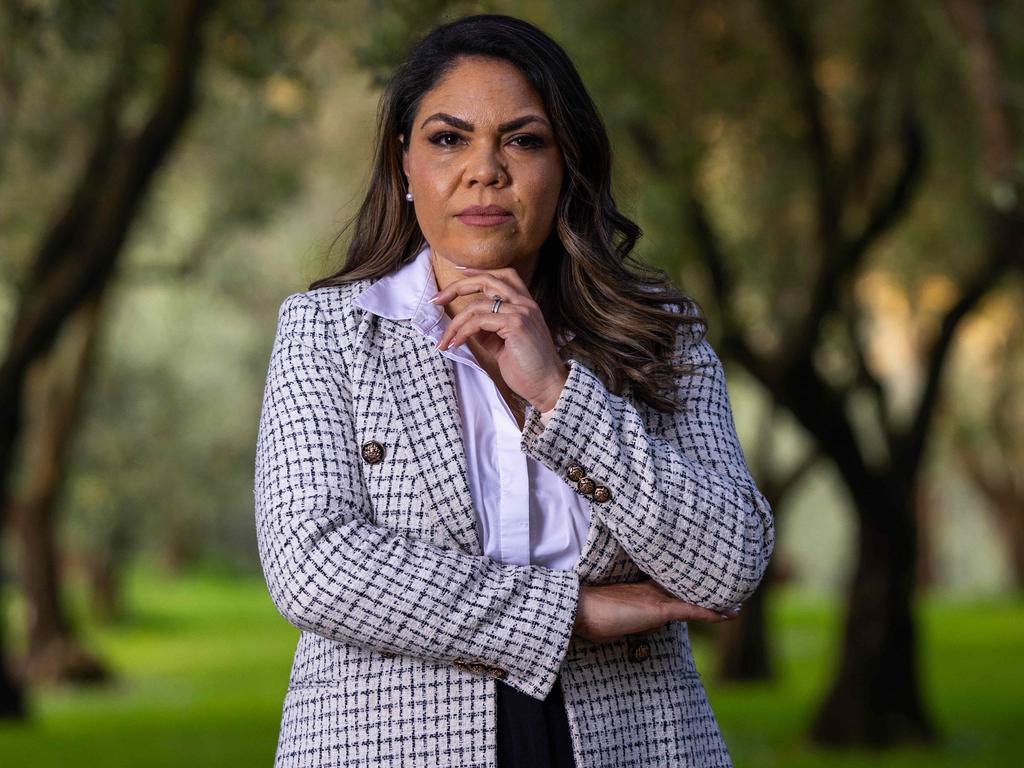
[683, 506]
[683, 503]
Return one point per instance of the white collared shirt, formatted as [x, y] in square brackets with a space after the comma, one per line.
[525, 513]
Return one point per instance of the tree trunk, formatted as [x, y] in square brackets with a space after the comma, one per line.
[179, 550]
[104, 578]
[925, 510]
[12, 696]
[875, 697]
[1011, 517]
[55, 385]
[80, 251]
[743, 642]
[997, 481]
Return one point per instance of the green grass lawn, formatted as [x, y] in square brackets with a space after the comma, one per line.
[203, 664]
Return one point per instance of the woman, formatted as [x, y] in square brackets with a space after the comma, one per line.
[492, 542]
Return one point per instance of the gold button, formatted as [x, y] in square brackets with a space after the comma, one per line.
[373, 452]
[477, 669]
[601, 493]
[586, 485]
[460, 664]
[575, 472]
[388, 654]
[639, 650]
[498, 673]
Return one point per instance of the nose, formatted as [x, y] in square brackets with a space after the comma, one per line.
[485, 166]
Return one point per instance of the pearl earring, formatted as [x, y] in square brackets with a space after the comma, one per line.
[408, 196]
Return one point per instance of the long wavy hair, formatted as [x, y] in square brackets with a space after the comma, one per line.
[623, 313]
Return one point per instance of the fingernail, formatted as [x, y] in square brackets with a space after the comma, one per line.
[725, 615]
[459, 267]
[433, 299]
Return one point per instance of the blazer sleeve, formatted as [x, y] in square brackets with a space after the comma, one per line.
[683, 504]
[332, 572]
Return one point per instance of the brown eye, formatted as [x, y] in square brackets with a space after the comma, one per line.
[440, 139]
[530, 141]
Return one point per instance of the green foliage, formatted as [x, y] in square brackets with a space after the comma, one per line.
[394, 27]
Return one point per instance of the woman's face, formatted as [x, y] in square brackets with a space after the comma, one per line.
[481, 137]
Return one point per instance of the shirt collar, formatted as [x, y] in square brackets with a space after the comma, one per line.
[404, 294]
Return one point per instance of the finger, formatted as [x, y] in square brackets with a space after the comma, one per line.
[503, 324]
[479, 308]
[690, 612]
[509, 275]
[455, 323]
[482, 282]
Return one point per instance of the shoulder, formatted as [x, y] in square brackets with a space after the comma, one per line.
[325, 317]
[331, 305]
[692, 348]
[691, 325]
[333, 301]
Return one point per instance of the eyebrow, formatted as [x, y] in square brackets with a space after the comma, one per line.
[461, 124]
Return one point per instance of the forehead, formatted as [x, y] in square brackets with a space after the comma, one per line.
[482, 89]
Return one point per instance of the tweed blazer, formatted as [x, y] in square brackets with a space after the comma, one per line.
[406, 625]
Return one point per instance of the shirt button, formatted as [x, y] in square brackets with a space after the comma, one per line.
[373, 452]
[586, 485]
[575, 472]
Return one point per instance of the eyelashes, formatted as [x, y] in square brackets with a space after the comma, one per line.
[530, 141]
[438, 139]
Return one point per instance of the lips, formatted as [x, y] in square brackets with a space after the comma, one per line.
[484, 210]
[485, 215]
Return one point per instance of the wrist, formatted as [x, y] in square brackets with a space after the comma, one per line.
[547, 403]
[577, 625]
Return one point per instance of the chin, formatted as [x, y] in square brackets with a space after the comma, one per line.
[486, 255]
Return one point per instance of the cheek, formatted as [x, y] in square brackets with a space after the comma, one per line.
[432, 190]
[435, 184]
[425, 170]
[544, 185]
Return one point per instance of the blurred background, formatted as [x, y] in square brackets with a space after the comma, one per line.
[838, 184]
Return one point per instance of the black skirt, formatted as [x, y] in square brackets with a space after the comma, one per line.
[532, 733]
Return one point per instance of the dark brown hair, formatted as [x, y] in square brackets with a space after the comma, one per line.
[624, 314]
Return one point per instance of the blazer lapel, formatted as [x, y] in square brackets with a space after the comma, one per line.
[422, 383]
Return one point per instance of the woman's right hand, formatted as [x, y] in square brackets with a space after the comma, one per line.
[606, 612]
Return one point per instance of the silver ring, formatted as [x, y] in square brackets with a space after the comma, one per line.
[496, 304]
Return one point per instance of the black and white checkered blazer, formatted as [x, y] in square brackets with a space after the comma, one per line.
[405, 624]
